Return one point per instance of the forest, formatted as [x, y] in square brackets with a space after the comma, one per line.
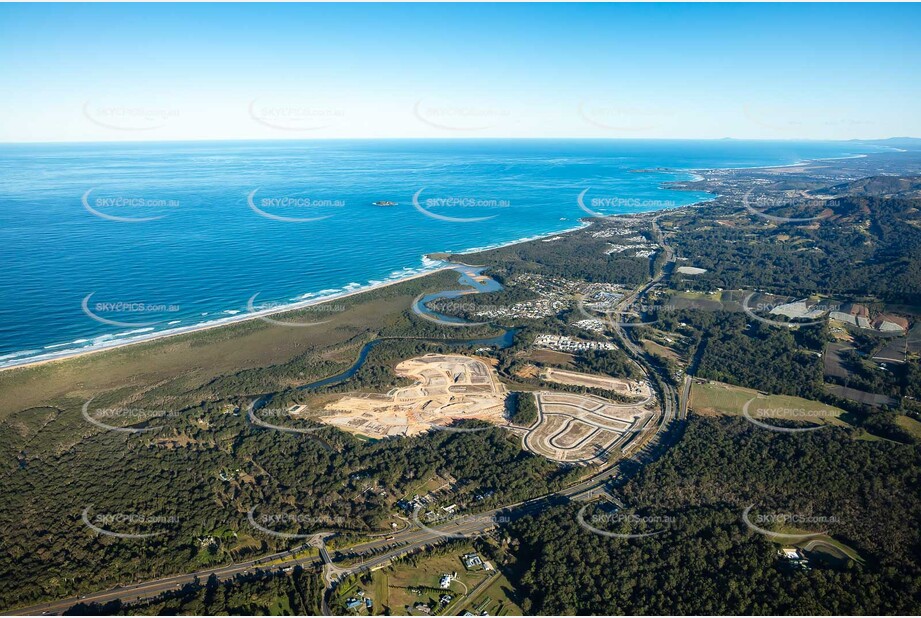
[707, 561]
[870, 247]
[201, 474]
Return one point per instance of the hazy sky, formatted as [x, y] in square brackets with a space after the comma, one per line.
[165, 72]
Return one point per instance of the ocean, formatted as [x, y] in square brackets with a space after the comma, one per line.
[106, 243]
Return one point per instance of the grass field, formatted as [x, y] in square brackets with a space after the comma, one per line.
[184, 363]
[389, 588]
[495, 598]
[281, 606]
[717, 398]
[909, 424]
[660, 350]
[550, 357]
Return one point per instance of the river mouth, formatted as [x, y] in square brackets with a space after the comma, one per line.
[475, 282]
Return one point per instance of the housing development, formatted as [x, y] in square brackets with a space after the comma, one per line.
[446, 309]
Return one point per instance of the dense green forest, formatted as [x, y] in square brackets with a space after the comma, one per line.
[730, 347]
[868, 247]
[707, 561]
[523, 408]
[201, 473]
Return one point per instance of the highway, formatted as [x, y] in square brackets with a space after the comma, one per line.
[379, 552]
[152, 588]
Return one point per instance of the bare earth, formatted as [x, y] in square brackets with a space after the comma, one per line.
[584, 429]
[630, 388]
[449, 388]
[571, 428]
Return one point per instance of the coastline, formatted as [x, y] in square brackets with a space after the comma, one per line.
[439, 257]
[698, 175]
[229, 321]
[115, 344]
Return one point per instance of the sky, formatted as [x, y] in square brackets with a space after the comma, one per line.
[112, 72]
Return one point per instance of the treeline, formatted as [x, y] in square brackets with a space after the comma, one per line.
[706, 561]
[522, 408]
[264, 594]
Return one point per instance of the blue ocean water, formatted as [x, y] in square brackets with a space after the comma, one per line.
[161, 236]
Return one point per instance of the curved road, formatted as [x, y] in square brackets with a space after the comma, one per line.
[379, 552]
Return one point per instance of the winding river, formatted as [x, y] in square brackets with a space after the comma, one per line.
[474, 282]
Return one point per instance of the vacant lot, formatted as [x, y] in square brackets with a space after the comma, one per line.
[448, 388]
[576, 428]
[495, 597]
[909, 424]
[630, 388]
[716, 398]
[550, 357]
[660, 350]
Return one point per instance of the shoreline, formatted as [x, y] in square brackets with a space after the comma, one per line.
[583, 222]
[63, 355]
[229, 321]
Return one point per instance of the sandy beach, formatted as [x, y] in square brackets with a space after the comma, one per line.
[255, 315]
[441, 256]
[236, 319]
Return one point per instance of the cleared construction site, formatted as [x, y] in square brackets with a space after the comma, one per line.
[621, 386]
[586, 429]
[448, 388]
[571, 427]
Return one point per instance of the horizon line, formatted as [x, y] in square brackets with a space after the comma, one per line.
[459, 138]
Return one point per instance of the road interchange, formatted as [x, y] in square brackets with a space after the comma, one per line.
[379, 552]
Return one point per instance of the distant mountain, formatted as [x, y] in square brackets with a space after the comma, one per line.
[879, 186]
[908, 143]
